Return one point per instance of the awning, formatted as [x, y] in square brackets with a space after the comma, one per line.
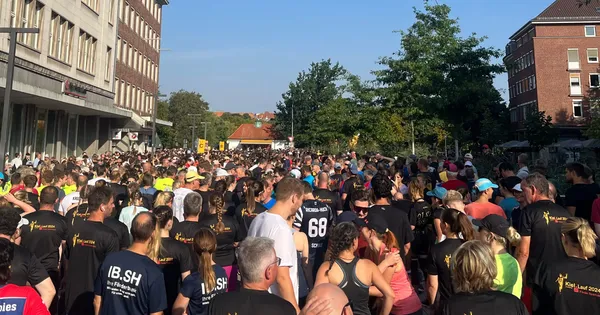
[256, 142]
[159, 122]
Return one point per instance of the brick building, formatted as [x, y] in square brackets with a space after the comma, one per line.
[137, 61]
[552, 64]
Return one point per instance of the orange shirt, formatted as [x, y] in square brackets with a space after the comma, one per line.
[480, 210]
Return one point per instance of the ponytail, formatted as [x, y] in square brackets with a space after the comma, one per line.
[205, 244]
[459, 224]
[253, 190]
[579, 232]
[216, 202]
[513, 237]
[389, 239]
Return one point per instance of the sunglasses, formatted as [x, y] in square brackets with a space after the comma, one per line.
[278, 262]
[361, 209]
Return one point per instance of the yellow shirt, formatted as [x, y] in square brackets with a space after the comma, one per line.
[69, 188]
[509, 278]
[164, 184]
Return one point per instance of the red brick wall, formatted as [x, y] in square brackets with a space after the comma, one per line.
[551, 65]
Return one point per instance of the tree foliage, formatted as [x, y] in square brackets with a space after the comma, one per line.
[437, 80]
[539, 130]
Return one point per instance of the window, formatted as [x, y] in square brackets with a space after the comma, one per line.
[122, 95]
[92, 4]
[87, 53]
[132, 18]
[137, 24]
[128, 96]
[533, 77]
[130, 55]
[135, 58]
[120, 10]
[594, 80]
[159, 14]
[28, 13]
[111, 8]
[592, 55]
[127, 11]
[117, 86]
[118, 56]
[575, 84]
[573, 55]
[107, 75]
[590, 31]
[513, 115]
[61, 37]
[577, 108]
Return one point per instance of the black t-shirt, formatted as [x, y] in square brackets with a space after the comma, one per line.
[439, 265]
[121, 229]
[205, 200]
[398, 223]
[350, 185]
[88, 243]
[257, 173]
[43, 236]
[25, 267]
[245, 218]
[542, 221]
[314, 219]
[130, 283]
[424, 231]
[568, 286]
[33, 198]
[184, 232]
[225, 254]
[489, 303]
[582, 196]
[250, 302]
[77, 215]
[121, 198]
[193, 288]
[174, 259]
[330, 198]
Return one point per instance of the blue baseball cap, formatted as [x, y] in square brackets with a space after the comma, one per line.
[353, 169]
[438, 192]
[2, 176]
[484, 184]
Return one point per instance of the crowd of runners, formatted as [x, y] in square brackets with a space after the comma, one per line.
[294, 232]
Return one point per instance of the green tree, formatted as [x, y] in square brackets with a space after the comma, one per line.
[165, 133]
[181, 104]
[437, 74]
[539, 130]
[312, 90]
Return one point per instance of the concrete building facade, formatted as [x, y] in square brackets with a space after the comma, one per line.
[63, 99]
[552, 64]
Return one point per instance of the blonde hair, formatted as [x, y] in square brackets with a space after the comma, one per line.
[579, 232]
[473, 267]
[21, 195]
[163, 199]
[513, 238]
[452, 195]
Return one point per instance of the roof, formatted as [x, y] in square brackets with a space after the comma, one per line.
[250, 132]
[569, 10]
[261, 116]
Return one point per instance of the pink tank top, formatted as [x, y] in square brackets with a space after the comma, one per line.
[406, 300]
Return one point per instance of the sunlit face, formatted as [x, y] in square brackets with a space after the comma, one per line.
[527, 193]
[361, 208]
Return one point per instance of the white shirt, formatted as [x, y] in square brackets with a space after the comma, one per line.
[16, 162]
[523, 172]
[68, 201]
[276, 228]
[127, 214]
[179, 195]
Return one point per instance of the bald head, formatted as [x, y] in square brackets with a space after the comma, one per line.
[142, 226]
[337, 299]
[323, 180]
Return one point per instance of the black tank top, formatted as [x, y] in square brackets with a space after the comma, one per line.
[356, 291]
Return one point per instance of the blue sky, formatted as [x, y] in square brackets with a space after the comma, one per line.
[241, 55]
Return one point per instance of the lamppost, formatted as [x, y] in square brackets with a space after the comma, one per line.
[10, 71]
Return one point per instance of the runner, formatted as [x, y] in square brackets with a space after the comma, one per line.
[185, 231]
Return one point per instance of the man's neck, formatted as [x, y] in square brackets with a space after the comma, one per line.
[96, 216]
[27, 189]
[261, 286]
[579, 180]
[483, 198]
[280, 209]
[324, 188]
[6, 237]
[139, 248]
[382, 202]
[47, 208]
[192, 219]
[203, 188]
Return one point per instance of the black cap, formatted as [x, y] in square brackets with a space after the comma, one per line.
[510, 182]
[374, 222]
[346, 216]
[229, 166]
[494, 223]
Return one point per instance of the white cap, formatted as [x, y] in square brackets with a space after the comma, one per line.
[295, 173]
[468, 163]
[221, 172]
[469, 156]
[192, 169]
[518, 187]
[22, 222]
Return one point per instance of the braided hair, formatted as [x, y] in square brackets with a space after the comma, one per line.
[341, 239]
[217, 202]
